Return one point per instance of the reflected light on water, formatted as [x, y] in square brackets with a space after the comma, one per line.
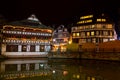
[53, 71]
[60, 69]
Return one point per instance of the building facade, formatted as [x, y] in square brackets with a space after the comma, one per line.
[93, 29]
[60, 39]
[26, 38]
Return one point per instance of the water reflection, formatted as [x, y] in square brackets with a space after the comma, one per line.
[59, 69]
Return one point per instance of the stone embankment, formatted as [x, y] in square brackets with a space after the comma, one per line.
[102, 56]
[88, 55]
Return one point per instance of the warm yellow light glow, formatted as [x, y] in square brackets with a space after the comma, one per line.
[70, 42]
[78, 76]
[73, 34]
[109, 26]
[49, 31]
[88, 16]
[93, 26]
[87, 21]
[88, 33]
[92, 33]
[101, 20]
[84, 21]
[80, 22]
[98, 20]
[78, 34]
[93, 78]
[65, 73]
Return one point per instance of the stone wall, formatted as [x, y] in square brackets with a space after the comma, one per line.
[101, 56]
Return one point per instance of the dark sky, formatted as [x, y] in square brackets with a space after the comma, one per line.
[51, 12]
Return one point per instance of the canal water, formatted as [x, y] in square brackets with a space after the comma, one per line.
[59, 69]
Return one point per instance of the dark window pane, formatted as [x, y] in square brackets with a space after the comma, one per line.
[12, 48]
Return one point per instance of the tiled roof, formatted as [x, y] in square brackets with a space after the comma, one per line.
[34, 23]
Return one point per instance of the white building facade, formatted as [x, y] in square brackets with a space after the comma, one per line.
[26, 38]
[61, 38]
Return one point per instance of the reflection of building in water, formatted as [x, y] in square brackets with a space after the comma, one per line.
[11, 69]
[26, 38]
[78, 71]
[14, 69]
[60, 38]
[58, 69]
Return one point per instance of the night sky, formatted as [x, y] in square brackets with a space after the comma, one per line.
[55, 12]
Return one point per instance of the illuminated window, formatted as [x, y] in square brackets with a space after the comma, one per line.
[88, 33]
[98, 20]
[24, 48]
[111, 33]
[109, 26]
[93, 78]
[86, 27]
[99, 26]
[88, 16]
[80, 27]
[42, 48]
[85, 21]
[78, 34]
[105, 40]
[73, 34]
[94, 40]
[83, 40]
[93, 26]
[88, 21]
[92, 33]
[80, 22]
[103, 20]
[105, 33]
[82, 33]
[97, 32]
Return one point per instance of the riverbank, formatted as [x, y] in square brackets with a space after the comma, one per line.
[87, 55]
[81, 55]
[102, 56]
